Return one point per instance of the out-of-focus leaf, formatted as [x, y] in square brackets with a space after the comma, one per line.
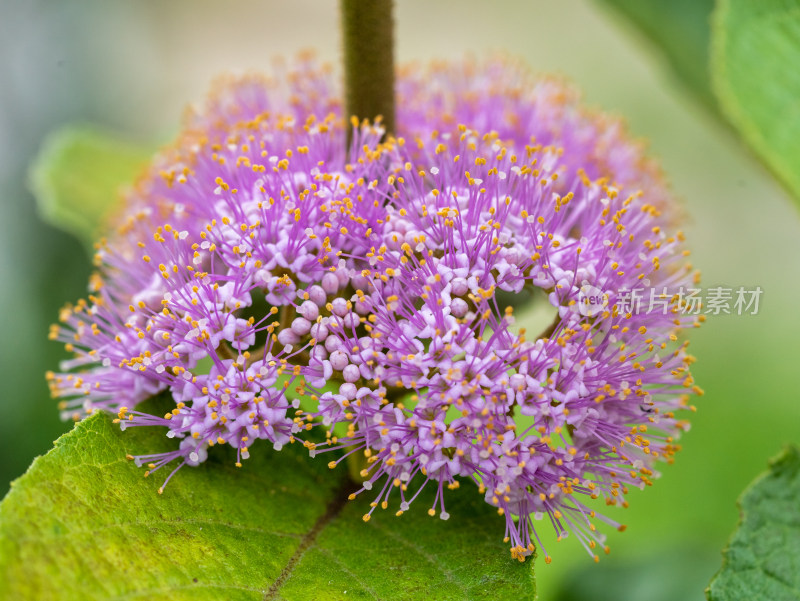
[77, 177]
[680, 29]
[762, 560]
[657, 574]
[83, 524]
[755, 68]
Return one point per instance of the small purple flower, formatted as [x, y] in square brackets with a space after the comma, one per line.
[273, 280]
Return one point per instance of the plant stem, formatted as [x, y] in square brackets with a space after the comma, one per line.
[368, 39]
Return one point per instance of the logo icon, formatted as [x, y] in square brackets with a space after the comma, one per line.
[591, 300]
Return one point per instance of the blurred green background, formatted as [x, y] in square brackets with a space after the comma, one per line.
[131, 67]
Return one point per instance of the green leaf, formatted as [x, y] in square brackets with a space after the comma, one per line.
[77, 176]
[756, 76]
[762, 560]
[680, 30]
[83, 524]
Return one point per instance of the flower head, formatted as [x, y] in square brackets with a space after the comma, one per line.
[452, 389]
[274, 281]
[503, 96]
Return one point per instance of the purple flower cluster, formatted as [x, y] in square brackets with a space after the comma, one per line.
[275, 280]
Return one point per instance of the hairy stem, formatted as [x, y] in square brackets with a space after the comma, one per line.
[368, 39]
